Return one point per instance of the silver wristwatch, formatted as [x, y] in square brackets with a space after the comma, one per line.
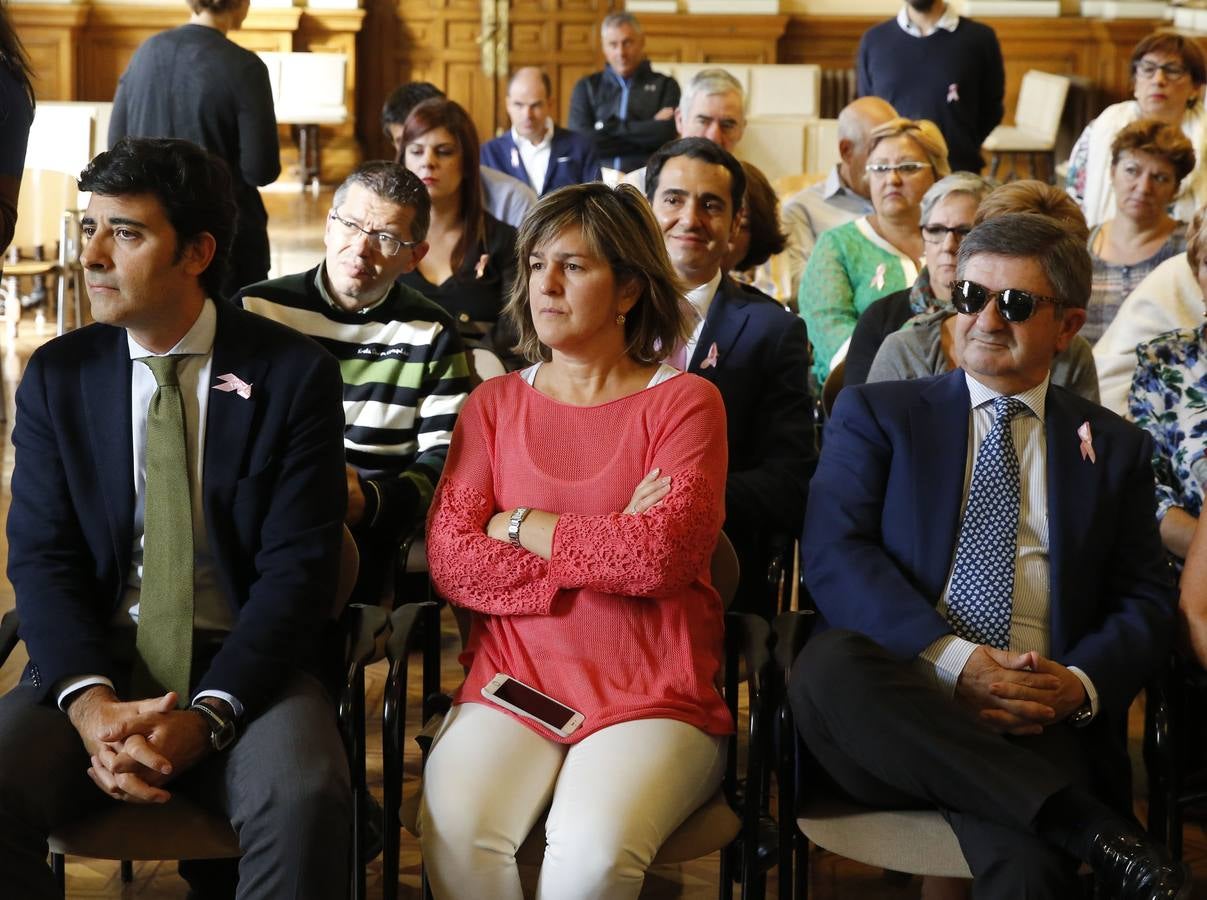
[513, 525]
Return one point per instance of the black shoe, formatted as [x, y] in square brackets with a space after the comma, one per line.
[1133, 867]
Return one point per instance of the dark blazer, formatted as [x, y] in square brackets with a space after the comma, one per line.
[571, 159]
[274, 493]
[595, 113]
[760, 366]
[884, 515]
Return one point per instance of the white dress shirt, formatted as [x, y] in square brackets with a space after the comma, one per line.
[534, 157]
[1029, 617]
[211, 611]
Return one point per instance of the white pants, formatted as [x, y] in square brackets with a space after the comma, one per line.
[613, 799]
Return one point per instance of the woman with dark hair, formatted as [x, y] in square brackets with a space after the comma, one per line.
[576, 517]
[16, 117]
[470, 263]
[1168, 74]
[196, 84]
[1149, 159]
[759, 236]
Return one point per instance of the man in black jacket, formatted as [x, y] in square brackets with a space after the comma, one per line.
[627, 109]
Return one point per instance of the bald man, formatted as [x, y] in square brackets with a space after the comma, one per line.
[535, 150]
[843, 195]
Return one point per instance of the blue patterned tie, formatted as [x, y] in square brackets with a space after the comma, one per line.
[982, 581]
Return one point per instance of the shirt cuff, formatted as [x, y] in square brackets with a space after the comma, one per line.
[1091, 694]
[223, 695]
[67, 687]
[944, 660]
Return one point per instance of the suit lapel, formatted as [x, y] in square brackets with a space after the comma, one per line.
[229, 418]
[105, 388]
[939, 435]
[726, 318]
[1072, 483]
[556, 149]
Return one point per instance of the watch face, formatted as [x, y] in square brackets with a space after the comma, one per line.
[223, 737]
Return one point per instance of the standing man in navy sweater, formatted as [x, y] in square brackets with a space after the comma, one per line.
[930, 63]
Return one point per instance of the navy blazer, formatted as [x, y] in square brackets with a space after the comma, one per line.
[755, 352]
[884, 515]
[274, 493]
[571, 159]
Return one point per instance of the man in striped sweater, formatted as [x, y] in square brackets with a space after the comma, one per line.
[404, 368]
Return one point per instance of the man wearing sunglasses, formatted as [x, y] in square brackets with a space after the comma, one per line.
[404, 367]
[983, 548]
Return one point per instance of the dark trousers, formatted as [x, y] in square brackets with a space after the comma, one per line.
[284, 785]
[888, 738]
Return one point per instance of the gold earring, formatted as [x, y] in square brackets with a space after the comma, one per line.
[620, 318]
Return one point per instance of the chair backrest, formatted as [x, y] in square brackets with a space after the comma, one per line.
[1041, 102]
[66, 135]
[46, 195]
[772, 89]
[485, 363]
[724, 569]
[308, 88]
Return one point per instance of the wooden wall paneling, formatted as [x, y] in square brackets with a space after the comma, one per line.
[708, 38]
[559, 36]
[51, 34]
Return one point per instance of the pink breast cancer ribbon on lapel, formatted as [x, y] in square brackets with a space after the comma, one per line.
[710, 361]
[878, 279]
[953, 93]
[234, 383]
[1087, 442]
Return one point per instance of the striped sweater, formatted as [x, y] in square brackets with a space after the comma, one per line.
[405, 378]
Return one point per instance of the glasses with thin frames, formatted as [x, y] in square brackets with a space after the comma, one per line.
[1171, 71]
[387, 244]
[937, 234]
[904, 169]
[1014, 305]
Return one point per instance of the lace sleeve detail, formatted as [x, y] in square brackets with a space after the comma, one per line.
[656, 553]
[476, 571]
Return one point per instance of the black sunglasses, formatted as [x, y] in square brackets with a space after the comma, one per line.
[1014, 305]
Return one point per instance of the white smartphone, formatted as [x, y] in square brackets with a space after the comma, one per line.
[532, 704]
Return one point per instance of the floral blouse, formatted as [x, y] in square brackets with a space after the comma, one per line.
[1169, 400]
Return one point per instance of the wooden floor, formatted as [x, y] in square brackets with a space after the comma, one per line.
[296, 229]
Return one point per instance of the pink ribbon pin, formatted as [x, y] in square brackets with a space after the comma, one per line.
[1087, 442]
[878, 279]
[710, 361]
[234, 383]
[480, 268]
[953, 93]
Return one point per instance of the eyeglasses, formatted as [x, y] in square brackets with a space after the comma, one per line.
[1172, 71]
[387, 244]
[937, 234]
[1014, 305]
[905, 168]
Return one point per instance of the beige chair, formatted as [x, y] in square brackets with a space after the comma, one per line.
[308, 90]
[720, 824]
[1041, 103]
[181, 828]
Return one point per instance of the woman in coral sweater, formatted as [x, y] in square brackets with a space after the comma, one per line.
[580, 505]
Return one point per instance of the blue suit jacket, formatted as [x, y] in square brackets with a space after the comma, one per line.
[884, 515]
[274, 494]
[760, 366]
[571, 159]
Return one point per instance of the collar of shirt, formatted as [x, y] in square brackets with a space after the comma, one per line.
[625, 83]
[1035, 399]
[320, 281]
[949, 21]
[197, 341]
[833, 185]
[524, 144]
[701, 297]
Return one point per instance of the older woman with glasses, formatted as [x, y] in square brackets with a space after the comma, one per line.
[1169, 399]
[928, 344]
[1148, 160]
[1168, 73]
[862, 261]
[948, 209]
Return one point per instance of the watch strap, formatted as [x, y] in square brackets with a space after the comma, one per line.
[514, 523]
[222, 729]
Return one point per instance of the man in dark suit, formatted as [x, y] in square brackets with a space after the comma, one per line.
[983, 547]
[627, 109]
[749, 346]
[174, 542]
[537, 150]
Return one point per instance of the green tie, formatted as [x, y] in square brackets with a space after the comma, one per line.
[165, 607]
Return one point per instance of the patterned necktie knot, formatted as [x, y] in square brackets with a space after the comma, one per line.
[1006, 408]
[163, 368]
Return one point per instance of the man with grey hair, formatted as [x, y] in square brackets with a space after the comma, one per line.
[404, 368]
[842, 196]
[627, 108]
[982, 547]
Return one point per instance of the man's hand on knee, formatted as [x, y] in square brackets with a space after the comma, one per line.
[100, 718]
[1005, 694]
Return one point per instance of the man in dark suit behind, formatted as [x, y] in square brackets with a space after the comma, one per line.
[983, 547]
[749, 346]
[233, 718]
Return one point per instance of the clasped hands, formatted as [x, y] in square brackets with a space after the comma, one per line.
[137, 746]
[1018, 693]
